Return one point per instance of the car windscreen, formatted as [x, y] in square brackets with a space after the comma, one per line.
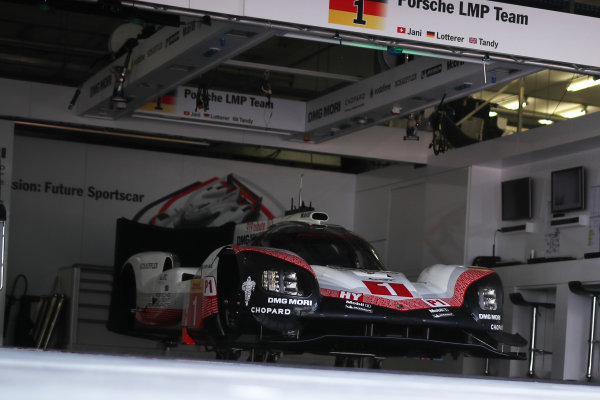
[325, 248]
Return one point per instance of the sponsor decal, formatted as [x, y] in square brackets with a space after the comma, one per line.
[325, 111]
[436, 303]
[354, 102]
[494, 317]
[441, 312]
[148, 265]
[154, 49]
[102, 84]
[171, 40]
[359, 13]
[289, 301]
[387, 289]
[197, 286]
[429, 72]
[350, 295]
[248, 287]
[189, 28]
[358, 306]
[453, 64]
[496, 327]
[405, 80]
[271, 311]
[381, 89]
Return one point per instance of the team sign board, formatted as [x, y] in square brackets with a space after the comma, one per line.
[254, 111]
[471, 25]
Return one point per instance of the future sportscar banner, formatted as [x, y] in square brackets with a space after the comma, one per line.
[230, 108]
[471, 25]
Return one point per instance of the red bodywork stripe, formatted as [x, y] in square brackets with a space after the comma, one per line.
[282, 255]
[460, 288]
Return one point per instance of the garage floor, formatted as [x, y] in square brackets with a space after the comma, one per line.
[34, 374]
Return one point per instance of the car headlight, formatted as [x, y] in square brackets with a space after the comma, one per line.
[487, 299]
[284, 282]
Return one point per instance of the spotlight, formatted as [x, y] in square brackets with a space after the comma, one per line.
[265, 87]
[202, 98]
[118, 98]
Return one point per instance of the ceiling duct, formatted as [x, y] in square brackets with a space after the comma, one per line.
[405, 89]
[160, 63]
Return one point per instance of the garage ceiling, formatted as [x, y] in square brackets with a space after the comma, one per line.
[65, 42]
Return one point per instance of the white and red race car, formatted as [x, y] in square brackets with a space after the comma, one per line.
[298, 284]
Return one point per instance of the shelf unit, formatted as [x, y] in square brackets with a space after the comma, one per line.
[568, 221]
[87, 289]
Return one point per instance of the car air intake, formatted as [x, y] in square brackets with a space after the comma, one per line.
[319, 216]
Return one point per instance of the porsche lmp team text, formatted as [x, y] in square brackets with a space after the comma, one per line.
[92, 192]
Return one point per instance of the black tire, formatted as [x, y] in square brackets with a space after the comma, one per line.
[127, 297]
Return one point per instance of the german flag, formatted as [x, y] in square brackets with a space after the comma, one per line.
[165, 104]
[360, 13]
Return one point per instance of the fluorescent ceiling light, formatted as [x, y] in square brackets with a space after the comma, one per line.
[513, 105]
[493, 114]
[584, 83]
[545, 121]
[578, 112]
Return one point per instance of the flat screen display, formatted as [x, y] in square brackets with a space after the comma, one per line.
[568, 190]
[517, 199]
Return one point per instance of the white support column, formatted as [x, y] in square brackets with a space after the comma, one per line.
[6, 150]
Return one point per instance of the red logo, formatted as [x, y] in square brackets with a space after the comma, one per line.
[186, 113]
[401, 29]
[387, 288]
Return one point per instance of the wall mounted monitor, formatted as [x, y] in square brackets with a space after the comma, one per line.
[567, 190]
[517, 199]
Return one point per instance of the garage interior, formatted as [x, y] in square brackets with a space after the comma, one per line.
[383, 180]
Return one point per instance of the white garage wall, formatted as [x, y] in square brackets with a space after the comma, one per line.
[54, 230]
[485, 211]
[415, 217]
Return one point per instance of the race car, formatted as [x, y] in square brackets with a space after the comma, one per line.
[303, 285]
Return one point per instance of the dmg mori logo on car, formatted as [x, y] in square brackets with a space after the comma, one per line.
[361, 13]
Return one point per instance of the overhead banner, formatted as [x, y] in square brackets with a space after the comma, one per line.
[481, 26]
[254, 111]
